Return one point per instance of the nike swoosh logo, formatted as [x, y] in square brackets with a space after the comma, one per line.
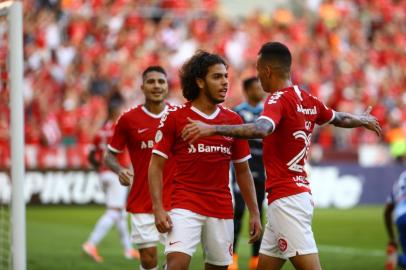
[172, 243]
[142, 130]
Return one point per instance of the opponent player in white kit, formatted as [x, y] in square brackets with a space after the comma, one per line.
[395, 214]
[286, 124]
[135, 130]
[202, 208]
[116, 194]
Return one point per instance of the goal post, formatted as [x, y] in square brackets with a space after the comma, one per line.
[14, 12]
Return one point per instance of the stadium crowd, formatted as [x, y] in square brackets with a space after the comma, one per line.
[79, 53]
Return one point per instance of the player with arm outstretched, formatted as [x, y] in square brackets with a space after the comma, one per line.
[116, 194]
[202, 208]
[289, 117]
[135, 130]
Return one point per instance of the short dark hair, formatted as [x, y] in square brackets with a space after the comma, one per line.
[115, 101]
[153, 69]
[276, 53]
[248, 82]
[197, 67]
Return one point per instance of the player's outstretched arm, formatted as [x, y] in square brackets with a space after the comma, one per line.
[247, 188]
[197, 129]
[125, 176]
[366, 120]
[162, 220]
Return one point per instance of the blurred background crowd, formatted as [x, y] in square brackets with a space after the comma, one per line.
[78, 53]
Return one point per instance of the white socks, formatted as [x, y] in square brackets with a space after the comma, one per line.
[122, 227]
[103, 225]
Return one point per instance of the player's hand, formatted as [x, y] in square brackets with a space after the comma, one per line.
[125, 177]
[255, 228]
[370, 122]
[195, 130]
[163, 221]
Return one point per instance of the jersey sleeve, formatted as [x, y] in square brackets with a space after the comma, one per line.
[240, 148]
[325, 115]
[273, 109]
[118, 141]
[165, 136]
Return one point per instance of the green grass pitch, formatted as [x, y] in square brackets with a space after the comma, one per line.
[347, 239]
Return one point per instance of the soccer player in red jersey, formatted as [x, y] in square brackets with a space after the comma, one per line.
[202, 209]
[286, 126]
[135, 130]
[116, 194]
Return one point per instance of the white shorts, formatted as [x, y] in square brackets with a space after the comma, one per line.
[144, 234]
[189, 229]
[116, 194]
[288, 231]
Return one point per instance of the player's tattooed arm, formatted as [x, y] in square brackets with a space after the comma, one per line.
[366, 120]
[197, 129]
[259, 129]
[111, 161]
[125, 176]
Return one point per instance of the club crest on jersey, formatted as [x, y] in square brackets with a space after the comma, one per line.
[158, 136]
[202, 148]
[310, 111]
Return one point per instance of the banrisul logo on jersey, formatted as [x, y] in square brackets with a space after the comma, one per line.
[203, 148]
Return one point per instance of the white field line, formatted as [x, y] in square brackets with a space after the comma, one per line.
[352, 251]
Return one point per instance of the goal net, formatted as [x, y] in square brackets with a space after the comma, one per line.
[12, 208]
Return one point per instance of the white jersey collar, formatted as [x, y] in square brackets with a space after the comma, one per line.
[154, 115]
[202, 114]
